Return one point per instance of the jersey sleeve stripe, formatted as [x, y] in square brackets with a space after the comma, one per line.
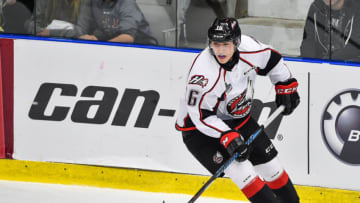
[184, 129]
[259, 51]
[188, 125]
[202, 98]
[274, 59]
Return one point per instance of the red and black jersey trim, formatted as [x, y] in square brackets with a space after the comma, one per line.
[188, 125]
[250, 64]
[237, 123]
[222, 98]
[233, 124]
[207, 113]
[274, 59]
[192, 65]
[204, 114]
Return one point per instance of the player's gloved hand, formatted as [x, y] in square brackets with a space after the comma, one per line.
[286, 94]
[234, 142]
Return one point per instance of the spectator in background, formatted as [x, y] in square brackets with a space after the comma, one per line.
[118, 21]
[28, 3]
[332, 33]
[58, 18]
[13, 14]
[221, 7]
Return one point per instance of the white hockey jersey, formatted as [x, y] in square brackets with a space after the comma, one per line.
[215, 98]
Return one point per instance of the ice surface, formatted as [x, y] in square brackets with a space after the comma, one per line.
[26, 192]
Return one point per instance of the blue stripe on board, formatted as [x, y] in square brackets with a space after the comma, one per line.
[30, 37]
[189, 50]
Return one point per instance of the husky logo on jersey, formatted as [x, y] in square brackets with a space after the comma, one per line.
[218, 157]
[239, 106]
[198, 80]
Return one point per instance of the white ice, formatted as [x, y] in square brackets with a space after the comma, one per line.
[26, 192]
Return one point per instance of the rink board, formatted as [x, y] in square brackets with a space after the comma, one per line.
[116, 106]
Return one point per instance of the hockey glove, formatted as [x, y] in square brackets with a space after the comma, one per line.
[234, 142]
[286, 94]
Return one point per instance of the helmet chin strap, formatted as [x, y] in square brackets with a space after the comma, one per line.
[231, 63]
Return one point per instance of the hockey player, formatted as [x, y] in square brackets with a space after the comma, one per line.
[215, 118]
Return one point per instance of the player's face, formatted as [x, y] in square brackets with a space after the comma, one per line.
[223, 51]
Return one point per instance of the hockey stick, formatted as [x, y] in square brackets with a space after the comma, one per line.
[276, 113]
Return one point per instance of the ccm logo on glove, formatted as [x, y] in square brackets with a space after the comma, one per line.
[286, 94]
[287, 89]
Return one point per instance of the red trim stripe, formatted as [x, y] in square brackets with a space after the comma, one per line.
[202, 98]
[176, 125]
[184, 129]
[243, 123]
[253, 187]
[187, 117]
[279, 182]
[247, 62]
[254, 52]
[217, 105]
[193, 63]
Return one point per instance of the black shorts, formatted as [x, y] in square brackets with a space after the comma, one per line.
[211, 154]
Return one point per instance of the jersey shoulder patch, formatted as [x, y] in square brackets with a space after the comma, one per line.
[198, 80]
[205, 70]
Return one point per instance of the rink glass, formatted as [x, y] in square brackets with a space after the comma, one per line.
[184, 23]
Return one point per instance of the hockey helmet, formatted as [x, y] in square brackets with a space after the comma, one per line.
[225, 29]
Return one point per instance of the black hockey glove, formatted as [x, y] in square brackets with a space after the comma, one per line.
[286, 94]
[234, 142]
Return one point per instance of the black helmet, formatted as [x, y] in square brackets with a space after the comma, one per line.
[225, 29]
